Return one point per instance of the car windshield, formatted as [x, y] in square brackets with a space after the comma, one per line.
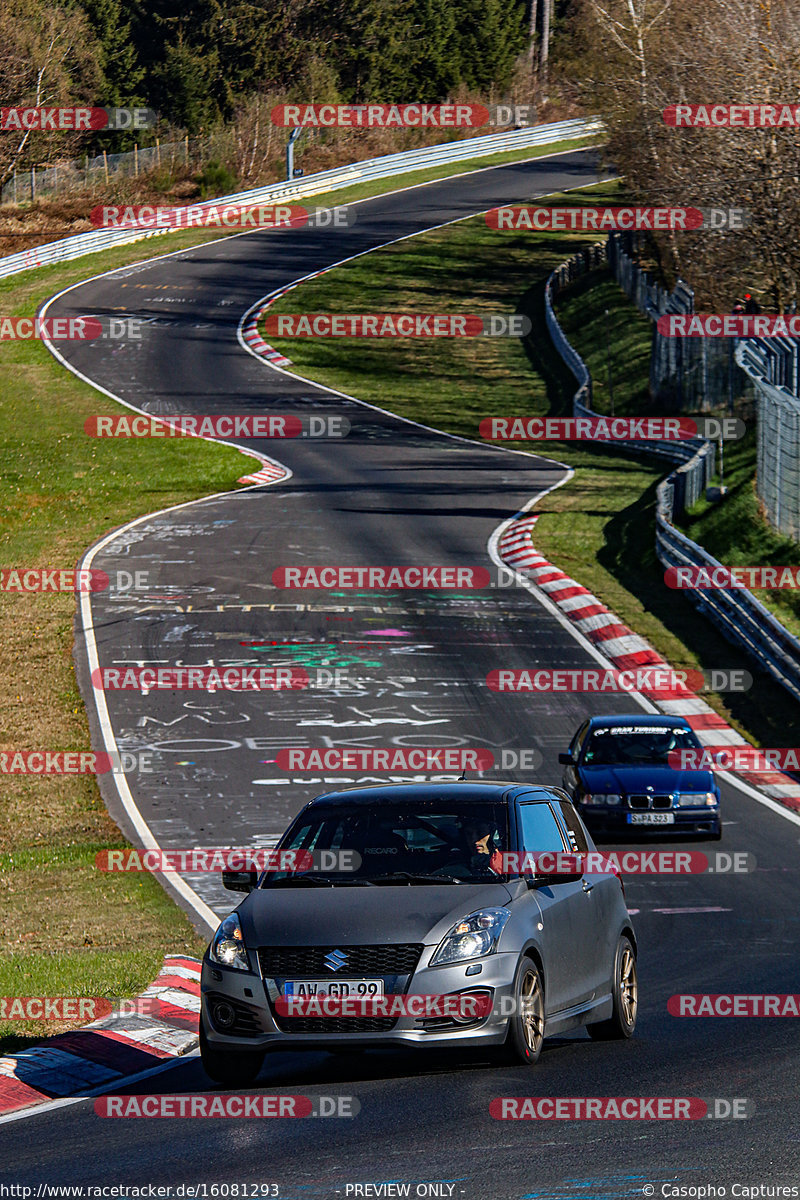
[630, 745]
[410, 842]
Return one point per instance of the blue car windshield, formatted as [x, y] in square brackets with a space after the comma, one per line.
[635, 745]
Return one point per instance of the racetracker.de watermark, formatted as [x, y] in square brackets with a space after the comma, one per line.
[232, 1106]
[602, 219]
[205, 679]
[214, 215]
[384, 578]
[610, 429]
[241, 858]
[732, 116]
[731, 1005]
[627, 862]
[52, 579]
[74, 762]
[395, 325]
[394, 758]
[75, 1008]
[216, 425]
[735, 325]
[619, 1108]
[728, 578]
[58, 120]
[664, 682]
[411, 115]
[735, 758]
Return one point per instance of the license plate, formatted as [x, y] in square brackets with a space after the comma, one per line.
[308, 988]
[651, 818]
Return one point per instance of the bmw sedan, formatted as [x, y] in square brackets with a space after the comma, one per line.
[623, 775]
[443, 928]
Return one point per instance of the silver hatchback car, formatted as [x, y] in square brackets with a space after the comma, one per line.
[441, 905]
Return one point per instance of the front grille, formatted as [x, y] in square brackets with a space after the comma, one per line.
[289, 962]
[246, 1023]
[335, 1024]
[644, 802]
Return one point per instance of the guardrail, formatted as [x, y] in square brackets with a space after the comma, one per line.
[323, 181]
[735, 612]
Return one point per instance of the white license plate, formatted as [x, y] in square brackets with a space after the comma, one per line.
[309, 988]
[651, 818]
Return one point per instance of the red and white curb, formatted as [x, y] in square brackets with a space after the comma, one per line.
[250, 331]
[270, 473]
[625, 649]
[109, 1050]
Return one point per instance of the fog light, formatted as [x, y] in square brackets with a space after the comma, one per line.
[223, 1014]
[469, 1013]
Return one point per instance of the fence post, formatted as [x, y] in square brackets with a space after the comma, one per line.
[33, 184]
[136, 159]
[158, 151]
[186, 149]
[105, 164]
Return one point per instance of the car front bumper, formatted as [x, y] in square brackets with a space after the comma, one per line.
[253, 996]
[608, 821]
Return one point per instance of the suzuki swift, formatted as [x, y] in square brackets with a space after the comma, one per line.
[435, 907]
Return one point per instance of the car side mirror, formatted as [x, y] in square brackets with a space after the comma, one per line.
[566, 758]
[239, 881]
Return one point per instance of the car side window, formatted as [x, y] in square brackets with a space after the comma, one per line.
[540, 830]
[575, 829]
[577, 741]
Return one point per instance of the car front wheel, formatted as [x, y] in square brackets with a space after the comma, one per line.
[526, 1024]
[232, 1067]
[625, 992]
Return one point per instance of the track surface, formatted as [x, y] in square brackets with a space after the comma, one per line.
[394, 493]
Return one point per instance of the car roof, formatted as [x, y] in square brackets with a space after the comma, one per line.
[639, 719]
[500, 791]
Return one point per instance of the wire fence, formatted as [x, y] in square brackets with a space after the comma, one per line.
[69, 176]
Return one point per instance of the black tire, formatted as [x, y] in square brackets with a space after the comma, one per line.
[625, 992]
[235, 1068]
[525, 1034]
[717, 837]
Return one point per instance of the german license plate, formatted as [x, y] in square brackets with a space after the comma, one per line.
[651, 818]
[307, 989]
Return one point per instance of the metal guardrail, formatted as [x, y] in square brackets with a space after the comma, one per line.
[735, 612]
[323, 181]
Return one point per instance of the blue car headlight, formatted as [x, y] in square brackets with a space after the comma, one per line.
[697, 799]
[472, 937]
[601, 798]
[227, 945]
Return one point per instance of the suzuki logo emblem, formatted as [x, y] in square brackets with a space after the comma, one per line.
[335, 960]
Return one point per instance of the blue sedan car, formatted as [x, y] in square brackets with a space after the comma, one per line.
[619, 772]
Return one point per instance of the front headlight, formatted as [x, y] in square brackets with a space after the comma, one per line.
[227, 946]
[602, 798]
[473, 937]
[697, 799]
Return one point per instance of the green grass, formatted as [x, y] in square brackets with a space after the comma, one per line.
[735, 531]
[600, 526]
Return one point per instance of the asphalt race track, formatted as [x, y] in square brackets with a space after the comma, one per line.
[416, 663]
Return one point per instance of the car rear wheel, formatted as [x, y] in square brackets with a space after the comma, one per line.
[625, 992]
[526, 1024]
[233, 1067]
